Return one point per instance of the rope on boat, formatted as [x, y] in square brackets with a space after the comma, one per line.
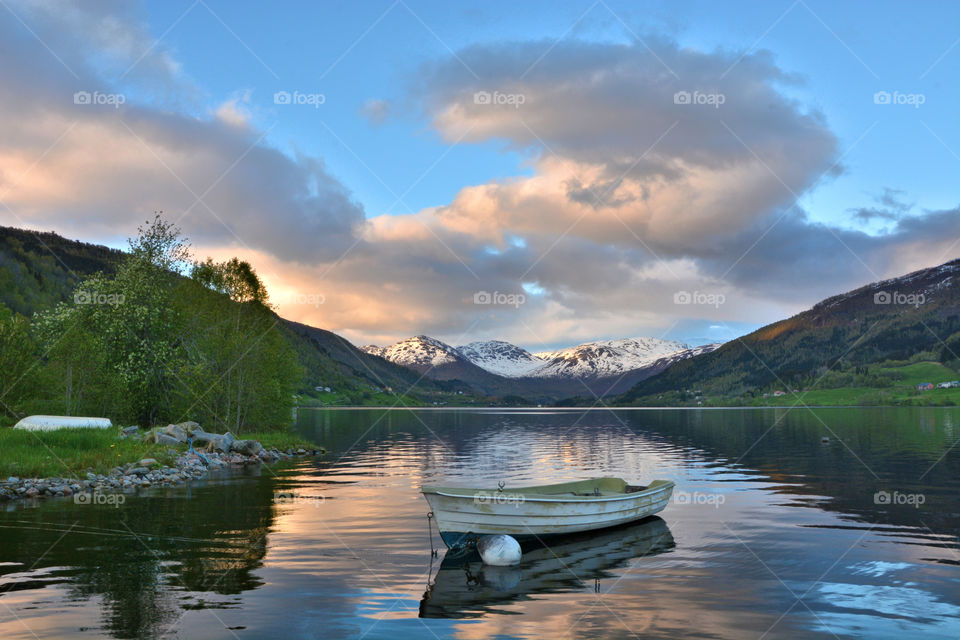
[433, 551]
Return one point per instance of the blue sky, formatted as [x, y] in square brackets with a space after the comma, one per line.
[842, 52]
[612, 208]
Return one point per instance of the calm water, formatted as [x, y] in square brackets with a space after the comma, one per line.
[772, 533]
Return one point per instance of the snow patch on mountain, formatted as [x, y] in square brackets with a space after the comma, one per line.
[501, 358]
[606, 357]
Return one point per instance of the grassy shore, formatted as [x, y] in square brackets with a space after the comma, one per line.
[903, 392]
[75, 452]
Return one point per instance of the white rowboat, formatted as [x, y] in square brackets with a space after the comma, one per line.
[552, 509]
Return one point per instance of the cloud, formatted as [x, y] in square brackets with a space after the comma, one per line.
[89, 156]
[645, 183]
[891, 207]
[376, 111]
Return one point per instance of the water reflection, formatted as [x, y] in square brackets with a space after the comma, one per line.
[790, 541]
[143, 561]
[466, 588]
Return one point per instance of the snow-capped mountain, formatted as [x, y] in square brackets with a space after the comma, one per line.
[605, 357]
[501, 358]
[416, 352]
[497, 367]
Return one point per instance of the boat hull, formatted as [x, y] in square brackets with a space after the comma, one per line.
[461, 514]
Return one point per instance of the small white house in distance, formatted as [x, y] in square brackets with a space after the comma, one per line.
[52, 423]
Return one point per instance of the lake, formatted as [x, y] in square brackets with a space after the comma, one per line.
[784, 524]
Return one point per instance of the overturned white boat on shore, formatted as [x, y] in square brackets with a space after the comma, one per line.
[55, 423]
[545, 510]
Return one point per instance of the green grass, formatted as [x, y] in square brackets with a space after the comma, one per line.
[70, 452]
[903, 392]
[366, 399]
[281, 440]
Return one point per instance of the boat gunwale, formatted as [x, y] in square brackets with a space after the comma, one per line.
[654, 487]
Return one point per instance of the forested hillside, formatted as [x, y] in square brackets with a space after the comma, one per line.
[914, 317]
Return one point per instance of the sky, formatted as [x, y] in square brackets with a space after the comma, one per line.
[547, 174]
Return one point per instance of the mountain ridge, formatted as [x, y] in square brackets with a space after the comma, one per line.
[891, 319]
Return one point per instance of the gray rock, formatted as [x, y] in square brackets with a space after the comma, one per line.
[13, 479]
[190, 426]
[214, 441]
[31, 492]
[164, 439]
[246, 447]
[138, 471]
[177, 432]
[129, 431]
[147, 462]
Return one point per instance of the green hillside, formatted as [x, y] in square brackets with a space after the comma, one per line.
[849, 348]
[39, 270]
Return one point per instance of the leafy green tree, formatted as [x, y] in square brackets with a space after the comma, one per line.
[18, 362]
[251, 368]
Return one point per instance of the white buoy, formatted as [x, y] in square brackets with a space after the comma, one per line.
[499, 551]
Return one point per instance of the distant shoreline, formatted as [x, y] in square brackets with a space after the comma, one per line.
[634, 408]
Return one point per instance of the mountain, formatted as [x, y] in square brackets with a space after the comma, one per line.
[916, 315]
[496, 367]
[437, 360]
[501, 358]
[38, 269]
[419, 352]
[605, 358]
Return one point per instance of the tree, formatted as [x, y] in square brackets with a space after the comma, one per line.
[250, 366]
[18, 362]
[235, 278]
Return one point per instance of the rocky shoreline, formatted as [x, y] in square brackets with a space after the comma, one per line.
[207, 452]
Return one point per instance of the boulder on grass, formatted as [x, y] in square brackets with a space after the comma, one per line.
[190, 426]
[213, 441]
[175, 431]
[246, 447]
[161, 438]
